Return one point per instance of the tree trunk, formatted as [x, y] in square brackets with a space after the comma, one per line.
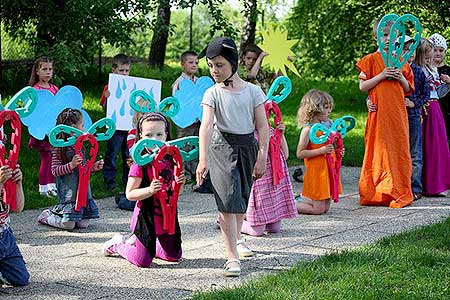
[251, 16]
[160, 35]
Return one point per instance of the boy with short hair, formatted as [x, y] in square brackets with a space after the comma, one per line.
[387, 168]
[189, 63]
[121, 65]
[12, 266]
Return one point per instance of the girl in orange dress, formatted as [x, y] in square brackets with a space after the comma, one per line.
[315, 107]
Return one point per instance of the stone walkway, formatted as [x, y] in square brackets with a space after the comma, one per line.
[69, 265]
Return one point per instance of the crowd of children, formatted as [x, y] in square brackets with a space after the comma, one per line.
[234, 137]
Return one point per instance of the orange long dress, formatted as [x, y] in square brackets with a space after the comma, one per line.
[386, 170]
[316, 182]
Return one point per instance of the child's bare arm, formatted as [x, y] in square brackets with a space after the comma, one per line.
[283, 142]
[20, 197]
[367, 84]
[134, 192]
[255, 69]
[398, 75]
[302, 152]
[205, 134]
[263, 142]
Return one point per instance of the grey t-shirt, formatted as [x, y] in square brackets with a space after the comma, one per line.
[234, 111]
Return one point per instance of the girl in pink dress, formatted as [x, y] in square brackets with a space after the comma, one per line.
[41, 75]
[269, 203]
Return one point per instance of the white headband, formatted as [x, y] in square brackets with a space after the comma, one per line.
[438, 40]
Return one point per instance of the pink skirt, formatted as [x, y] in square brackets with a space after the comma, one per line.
[269, 203]
[436, 154]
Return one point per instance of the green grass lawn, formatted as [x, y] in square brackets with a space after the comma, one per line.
[412, 265]
[348, 101]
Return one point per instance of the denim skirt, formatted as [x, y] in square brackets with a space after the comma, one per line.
[231, 158]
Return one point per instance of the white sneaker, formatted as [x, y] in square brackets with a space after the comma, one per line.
[242, 249]
[116, 239]
[43, 217]
[52, 193]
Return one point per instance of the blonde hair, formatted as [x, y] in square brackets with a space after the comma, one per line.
[424, 48]
[386, 29]
[312, 104]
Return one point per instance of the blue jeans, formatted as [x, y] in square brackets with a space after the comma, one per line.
[415, 148]
[12, 265]
[117, 143]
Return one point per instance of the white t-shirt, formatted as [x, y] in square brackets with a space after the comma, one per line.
[234, 111]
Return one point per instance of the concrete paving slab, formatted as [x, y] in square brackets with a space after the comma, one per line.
[69, 264]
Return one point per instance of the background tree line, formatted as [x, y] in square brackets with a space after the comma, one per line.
[332, 34]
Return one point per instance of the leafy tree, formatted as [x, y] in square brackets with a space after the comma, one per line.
[334, 34]
[73, 29]
[162, 29]
[251, 16]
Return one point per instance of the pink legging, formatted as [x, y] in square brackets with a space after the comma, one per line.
[259, 229]
[45, 171]
[138, 255]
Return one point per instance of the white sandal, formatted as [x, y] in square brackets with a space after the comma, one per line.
[243, 250]
[232, 271]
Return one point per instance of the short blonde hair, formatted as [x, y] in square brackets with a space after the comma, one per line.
[387, 29]
[424, 49]
[312, 104]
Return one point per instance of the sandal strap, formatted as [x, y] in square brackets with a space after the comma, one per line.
[232, 261]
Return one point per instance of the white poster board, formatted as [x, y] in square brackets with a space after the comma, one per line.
[120, 87]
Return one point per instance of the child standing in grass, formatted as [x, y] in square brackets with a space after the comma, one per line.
[251, 60]
[232, 108]
[386, 170]
[41, 75]
[315, 107]
[12, 266]
[150, 240]
[189, 63]
[65, 168]
[121, 66]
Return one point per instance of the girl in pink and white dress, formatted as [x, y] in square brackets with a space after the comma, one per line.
[269, 204]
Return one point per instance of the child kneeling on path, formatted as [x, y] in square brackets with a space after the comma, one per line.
[12, 266]
[65, 168]
[315, 107]
[150, 240]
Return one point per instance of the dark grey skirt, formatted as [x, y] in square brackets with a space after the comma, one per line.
[231, 158]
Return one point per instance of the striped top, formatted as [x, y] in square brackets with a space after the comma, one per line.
[59, 168]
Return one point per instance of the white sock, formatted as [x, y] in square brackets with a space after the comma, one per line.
[55, 221]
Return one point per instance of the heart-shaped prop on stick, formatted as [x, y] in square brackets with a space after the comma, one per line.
[391, 34]
[22, 104]
[78, 138]
[333, 136]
